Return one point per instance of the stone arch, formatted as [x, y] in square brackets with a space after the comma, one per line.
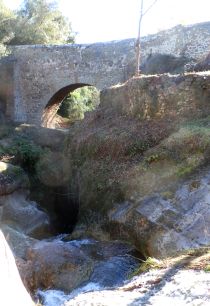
[55, 101]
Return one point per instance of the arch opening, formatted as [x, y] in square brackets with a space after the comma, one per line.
[69, 105]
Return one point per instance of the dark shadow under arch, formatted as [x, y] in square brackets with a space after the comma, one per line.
[53, 105]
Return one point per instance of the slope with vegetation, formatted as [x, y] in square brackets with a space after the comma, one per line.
[135, 157]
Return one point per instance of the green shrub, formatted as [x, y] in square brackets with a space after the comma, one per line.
[146, 265]
[78, 102]
[138, 147]
[25, 152]
[207, 268]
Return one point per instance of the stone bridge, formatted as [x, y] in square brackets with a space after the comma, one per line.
[39, 77]
[35, 79]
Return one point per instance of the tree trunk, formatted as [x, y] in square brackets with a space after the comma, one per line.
[138, 42]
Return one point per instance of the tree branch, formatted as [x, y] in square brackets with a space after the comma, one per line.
[149, 8]
[138, 43]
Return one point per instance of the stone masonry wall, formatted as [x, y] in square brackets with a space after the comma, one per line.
[145, 97]
[191, 41]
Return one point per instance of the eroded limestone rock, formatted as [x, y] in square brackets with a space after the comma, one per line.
[24, 215]
[11, 178]
[18, 242]
[16, 209]
[162, 227]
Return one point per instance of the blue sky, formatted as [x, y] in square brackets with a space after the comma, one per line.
[105, 20]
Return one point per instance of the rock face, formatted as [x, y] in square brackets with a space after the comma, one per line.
[12, 289]
[22, 214]
[135, 156]
[159, 225]
[163, 227]
[156, 224]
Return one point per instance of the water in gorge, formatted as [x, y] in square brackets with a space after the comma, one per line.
[113, 263]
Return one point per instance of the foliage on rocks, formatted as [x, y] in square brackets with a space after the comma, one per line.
[19, 147]
[25, 152]
[77, 103]
[146, 265]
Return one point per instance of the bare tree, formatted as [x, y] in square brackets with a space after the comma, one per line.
[138, 43]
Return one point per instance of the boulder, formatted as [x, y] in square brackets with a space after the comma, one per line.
[66, 265]
[11, 178]
[18, 242]
[58, 265]
[24, 215]
[51, 138]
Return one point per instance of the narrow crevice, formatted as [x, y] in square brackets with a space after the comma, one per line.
[66, 209]
[60, 203]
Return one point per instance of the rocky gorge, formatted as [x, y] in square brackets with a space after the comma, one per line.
[117, 208]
